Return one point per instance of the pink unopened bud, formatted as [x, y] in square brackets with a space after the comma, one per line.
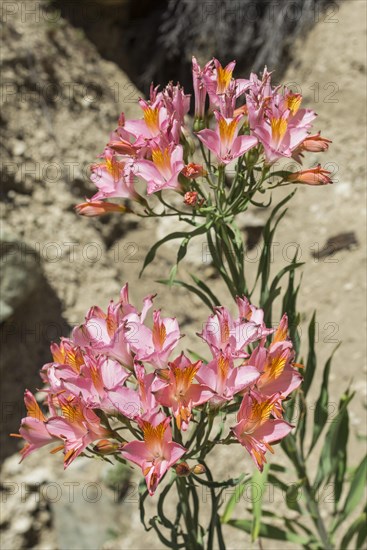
[316, 144]
[313, 176]
[122, 147]
[191, 198]
[98, 208]
[121, 121]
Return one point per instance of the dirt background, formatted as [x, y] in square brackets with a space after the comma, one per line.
[50, 137]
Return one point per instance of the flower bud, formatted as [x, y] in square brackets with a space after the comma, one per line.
[182, 469]
[191, 198]
[312, 176]
[98, 208]
[106, 447]
[193, 170]
[199, 124]
[198, 469]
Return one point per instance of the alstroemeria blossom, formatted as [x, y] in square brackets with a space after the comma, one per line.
[256, 428]
[279, 123]
[277, 375]
[156, 345]
[162, 171]
[157, 453]
[221, 331]
[114, 375]
[77, 427]
[33, 427]
[114, 178]
[224, 379]
[224, 141]
[181, 393]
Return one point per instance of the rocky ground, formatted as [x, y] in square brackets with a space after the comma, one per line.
[60, 100]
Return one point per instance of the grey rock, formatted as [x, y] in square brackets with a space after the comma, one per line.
[20, 272]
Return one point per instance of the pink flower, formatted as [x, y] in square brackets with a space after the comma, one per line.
[224, 379]
[77, 427]
[277, 120]
[224, 141]
[312, 176]
[114, 178]
[180, 393]
[154, 116]
[124, 142]
[155, 346]
[162, 171]
[222, 88]
[157, 453]
[112, 333]
[256, 429]
[97, 379]
[33, 427]
[221, 331]
[278, 376]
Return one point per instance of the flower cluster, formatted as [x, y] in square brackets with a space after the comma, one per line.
[232, 117]
[121, 374]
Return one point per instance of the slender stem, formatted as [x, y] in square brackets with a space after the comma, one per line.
[183, 495]
[215, 519]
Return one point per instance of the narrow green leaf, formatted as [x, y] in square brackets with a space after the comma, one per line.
[270, 531]
[206, 289]
[232, 482]
[235, 498]
[311, 358]
[340, 457]
[334, 448]
[357, 488]
[357, 525]
[321, 409]
[362, 533]
[277, 468]
[176, 235]
[292, 497]
[355, 494]
[258, 487]
[197, 356]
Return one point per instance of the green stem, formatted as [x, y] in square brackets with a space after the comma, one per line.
[191, 528]
[215, 519]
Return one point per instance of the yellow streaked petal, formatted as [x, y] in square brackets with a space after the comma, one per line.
[224, 77]
[278, 128]
[151, 118]
[293, 102]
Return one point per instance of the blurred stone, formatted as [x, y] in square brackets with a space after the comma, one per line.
[20, 272]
